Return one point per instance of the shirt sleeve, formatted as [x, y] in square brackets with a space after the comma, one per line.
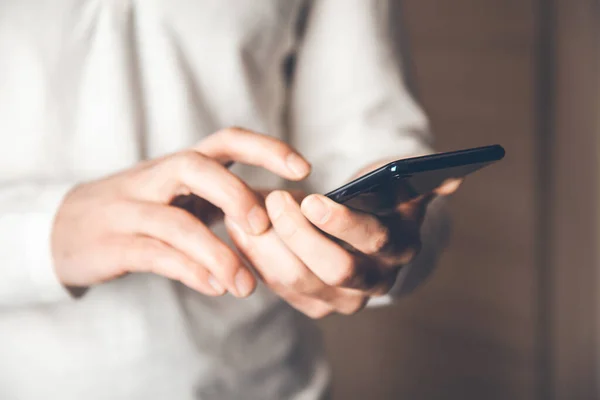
[27, 212]
[350, 107]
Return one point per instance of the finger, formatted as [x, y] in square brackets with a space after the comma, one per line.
[329, 261]
[362, 231]
[354, 304]
[347, 302]
[187, 234]
[311, 307]
[392, 240]
[144, 254]
[317, 309]
[404, 242]
[247, 147]
[449, 186]
[193, 172]
[284, 273]
[415, 209]
[297, 194]
[276, 264]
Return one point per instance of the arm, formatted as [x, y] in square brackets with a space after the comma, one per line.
[54, 236]
[350, 107]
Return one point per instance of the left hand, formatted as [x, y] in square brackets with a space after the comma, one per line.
[322, 257]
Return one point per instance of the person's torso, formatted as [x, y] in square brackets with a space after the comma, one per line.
[91, 87]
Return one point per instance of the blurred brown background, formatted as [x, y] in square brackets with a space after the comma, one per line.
[510, 313]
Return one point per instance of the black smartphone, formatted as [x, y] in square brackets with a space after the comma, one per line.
[381, 190]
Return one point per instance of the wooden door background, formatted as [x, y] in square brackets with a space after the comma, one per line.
[470, 331]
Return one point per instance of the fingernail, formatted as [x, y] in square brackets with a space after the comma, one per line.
[298, 165]
[243, 283]
[275, 204]
[216, 285]
[258, 220]
[316, 209]
[240, 235]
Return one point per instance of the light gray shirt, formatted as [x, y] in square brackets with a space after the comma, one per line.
[89, 87]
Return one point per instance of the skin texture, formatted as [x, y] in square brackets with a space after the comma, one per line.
[136, 220]
[319, 256]
[323, 257]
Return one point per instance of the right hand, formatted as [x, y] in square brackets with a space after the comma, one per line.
[127, 222]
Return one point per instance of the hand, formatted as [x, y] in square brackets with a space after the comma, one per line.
[323, 257]
[132, 222]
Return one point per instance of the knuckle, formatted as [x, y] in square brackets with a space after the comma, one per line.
[318, 312]
[147, 247]
[379, 240]
[344, 275]
[154, 256]
[295, 281]
[354, 306]
[226, 261]
[276, 285]
[241, 204]
[339, 222]
[186, 160]
[198, 273]
[240, 193]
[231, 132]
[337, 280]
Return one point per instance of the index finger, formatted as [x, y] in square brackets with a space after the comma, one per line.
[247, 147]
[191, 172]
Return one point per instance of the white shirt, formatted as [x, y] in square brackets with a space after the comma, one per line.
[89, 87]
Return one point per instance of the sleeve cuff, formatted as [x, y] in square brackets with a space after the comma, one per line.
[45, 284]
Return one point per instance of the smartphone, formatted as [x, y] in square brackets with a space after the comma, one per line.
[381, 190]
